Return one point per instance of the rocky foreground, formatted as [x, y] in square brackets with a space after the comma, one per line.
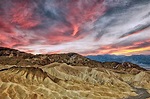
[69, 76]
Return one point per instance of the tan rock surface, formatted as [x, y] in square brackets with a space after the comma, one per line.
[61, 81]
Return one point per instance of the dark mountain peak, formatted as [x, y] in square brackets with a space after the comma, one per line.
[13, 53]
[7, 49]
[72, 54]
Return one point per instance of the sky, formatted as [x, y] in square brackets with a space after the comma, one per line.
[87, 27]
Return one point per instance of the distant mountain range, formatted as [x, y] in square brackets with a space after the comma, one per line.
[141, 60]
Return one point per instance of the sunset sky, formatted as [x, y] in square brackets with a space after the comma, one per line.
[87, 27]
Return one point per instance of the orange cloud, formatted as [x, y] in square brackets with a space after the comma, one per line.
[131, 51]
[136, 47]
[75, 30]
